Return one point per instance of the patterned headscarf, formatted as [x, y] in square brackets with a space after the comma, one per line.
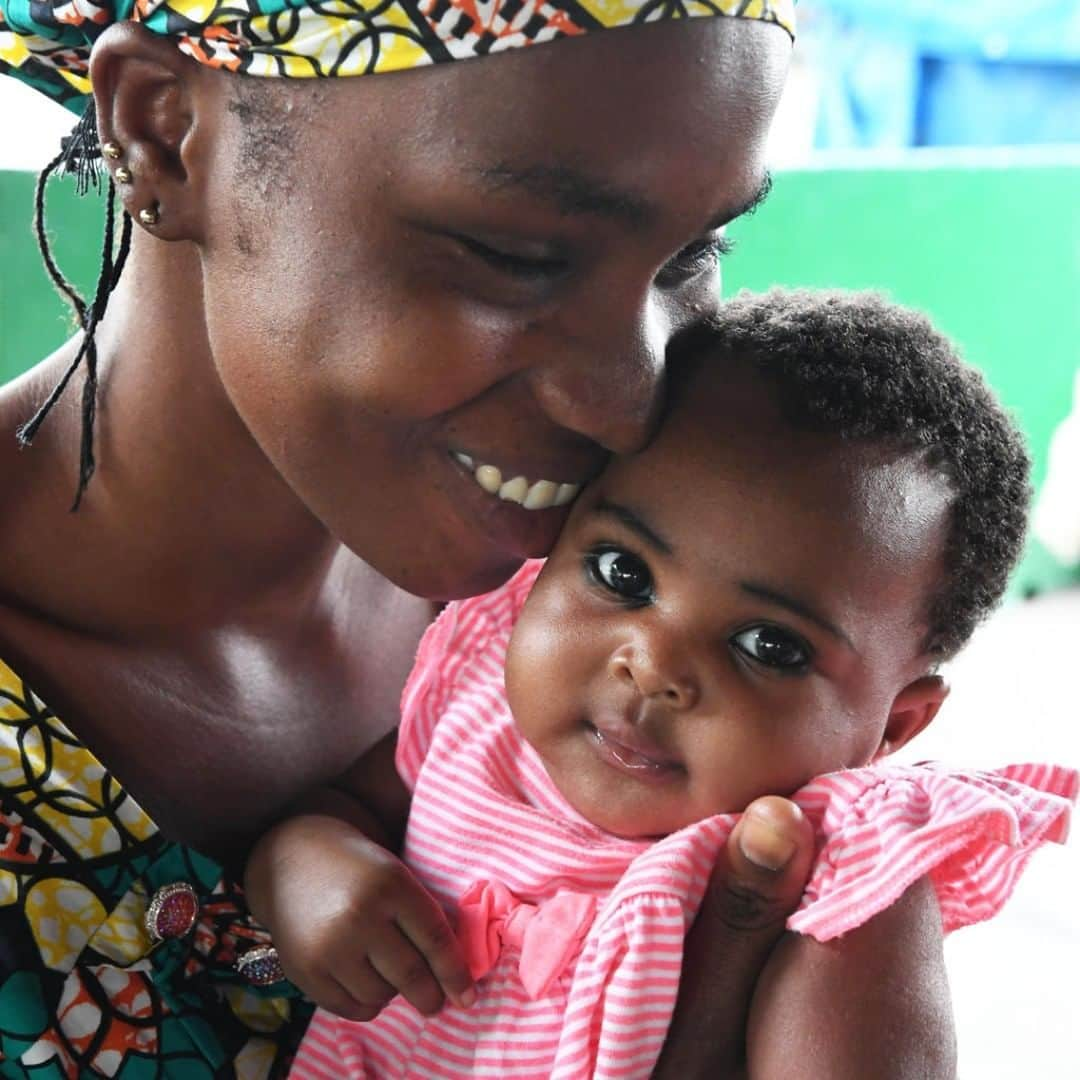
[47, 42]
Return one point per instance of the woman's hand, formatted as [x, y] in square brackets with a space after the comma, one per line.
[352, 926]
[757, 883]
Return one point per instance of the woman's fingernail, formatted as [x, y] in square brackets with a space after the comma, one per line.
[468, 998]
[763, 843]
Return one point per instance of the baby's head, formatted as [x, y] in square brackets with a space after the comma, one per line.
[765, 593]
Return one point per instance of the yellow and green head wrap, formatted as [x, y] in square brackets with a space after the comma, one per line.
[47, 42]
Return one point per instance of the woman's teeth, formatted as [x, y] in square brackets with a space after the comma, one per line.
[536, 496]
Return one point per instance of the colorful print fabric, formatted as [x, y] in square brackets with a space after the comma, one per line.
[47, 42]
[84, 992]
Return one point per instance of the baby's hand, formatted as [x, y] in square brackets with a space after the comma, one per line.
[352, 926]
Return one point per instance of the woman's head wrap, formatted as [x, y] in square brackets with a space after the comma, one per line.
[47, 42]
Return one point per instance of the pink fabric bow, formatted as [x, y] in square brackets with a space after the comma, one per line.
[548, 934]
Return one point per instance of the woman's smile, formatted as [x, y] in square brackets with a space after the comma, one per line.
[519, 530]
[515, 487]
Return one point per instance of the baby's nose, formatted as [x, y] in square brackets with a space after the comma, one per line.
[661, 675]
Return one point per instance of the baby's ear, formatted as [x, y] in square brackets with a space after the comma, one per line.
[912, 709]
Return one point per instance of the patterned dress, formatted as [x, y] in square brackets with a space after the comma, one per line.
[89, 985]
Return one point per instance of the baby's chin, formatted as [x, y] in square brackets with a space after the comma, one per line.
[648, 827]
[635, 826]
[621, 804]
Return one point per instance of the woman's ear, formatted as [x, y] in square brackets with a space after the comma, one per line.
[912, 709]
[145, 93]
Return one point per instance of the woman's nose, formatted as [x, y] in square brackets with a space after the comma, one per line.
[608, 388]
[661, 674]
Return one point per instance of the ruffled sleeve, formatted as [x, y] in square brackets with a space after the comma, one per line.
[458, 638]
[970, 832]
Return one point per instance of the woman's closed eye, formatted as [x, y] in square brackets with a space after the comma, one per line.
[622, 573]
[697, 258]
[773, 647]
[524, 267]
[537, 266]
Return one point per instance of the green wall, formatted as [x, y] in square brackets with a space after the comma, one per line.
[33, 318]
[991, 252]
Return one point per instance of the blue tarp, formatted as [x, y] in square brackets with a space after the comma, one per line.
[923, 73]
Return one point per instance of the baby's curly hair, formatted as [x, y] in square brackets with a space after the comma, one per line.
[857, 366]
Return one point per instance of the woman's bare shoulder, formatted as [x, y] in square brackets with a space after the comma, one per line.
[874, 1002]
[33, 502]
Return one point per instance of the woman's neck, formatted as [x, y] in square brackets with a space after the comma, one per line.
[185, 519]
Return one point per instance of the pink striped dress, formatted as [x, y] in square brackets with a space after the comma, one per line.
[577, 934]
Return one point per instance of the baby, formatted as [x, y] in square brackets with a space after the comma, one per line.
[758, 603]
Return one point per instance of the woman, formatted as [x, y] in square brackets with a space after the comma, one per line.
[344, 297]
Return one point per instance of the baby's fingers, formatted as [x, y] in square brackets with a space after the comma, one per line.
[402, 965]
[359, 993]
[426, 927]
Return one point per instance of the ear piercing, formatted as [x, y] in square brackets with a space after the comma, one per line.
[148, 215]
[114, 151]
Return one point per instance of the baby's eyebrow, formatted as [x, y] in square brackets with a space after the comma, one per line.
[798, 607]
[634, 523]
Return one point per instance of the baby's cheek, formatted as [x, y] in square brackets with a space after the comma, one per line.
[515, 678]
[530, 671]
[729, 769]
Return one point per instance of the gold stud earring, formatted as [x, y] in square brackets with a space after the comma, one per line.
[149, 215]
[124, 175]
[111, 150]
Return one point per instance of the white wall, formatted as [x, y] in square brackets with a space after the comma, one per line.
[31, 126]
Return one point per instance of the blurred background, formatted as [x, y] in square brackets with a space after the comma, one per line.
[931, 150]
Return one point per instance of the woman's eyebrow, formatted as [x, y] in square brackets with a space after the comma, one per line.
[746, 207]
[797, 607]
[572, 192]
[576, 193]
[634, 523]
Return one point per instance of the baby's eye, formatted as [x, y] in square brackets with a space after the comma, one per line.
[621, 573]
[773, 647]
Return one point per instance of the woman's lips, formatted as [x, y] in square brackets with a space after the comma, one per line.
[629, 753]
[538, 494]
[509, 526]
